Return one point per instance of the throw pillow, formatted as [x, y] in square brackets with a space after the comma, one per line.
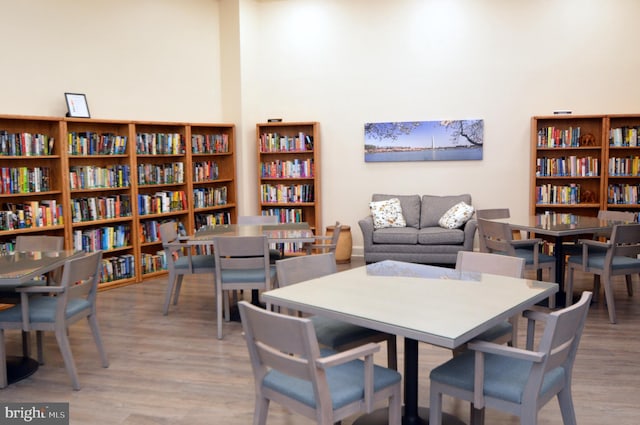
[456, 216]
[387, 214]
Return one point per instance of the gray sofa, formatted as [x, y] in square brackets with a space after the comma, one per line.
[422, 240]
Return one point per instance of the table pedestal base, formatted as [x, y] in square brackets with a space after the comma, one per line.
[381, 417]
[19, 368]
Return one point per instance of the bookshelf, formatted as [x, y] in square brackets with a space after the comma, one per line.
[289, 173]
[108, 184]
[568, 164]
[591, 160]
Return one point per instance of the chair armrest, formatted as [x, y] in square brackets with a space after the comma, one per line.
[346, 356]
[40, 289]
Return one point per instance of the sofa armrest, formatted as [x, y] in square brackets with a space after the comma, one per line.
[470, 234]
[366, 225]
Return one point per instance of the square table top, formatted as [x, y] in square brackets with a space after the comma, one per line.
[20, 267]
[436, 305]
[284, 232]
[561, 224]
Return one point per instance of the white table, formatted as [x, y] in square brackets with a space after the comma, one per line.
[435, 305]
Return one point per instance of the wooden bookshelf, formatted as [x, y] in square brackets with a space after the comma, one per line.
[584, 163]
[113, 182]
[289, 172]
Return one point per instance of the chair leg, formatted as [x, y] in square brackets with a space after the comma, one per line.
[629, 285]
[176, 292]
[40, 346]
[95, 330]
[261, 411]
[596, 287]
[67, 356]
[219, 295]
[167, 297]
[609, 298]
[395, 407]
[568, 286]
[435, 406]
[3, 361]
[566, 406]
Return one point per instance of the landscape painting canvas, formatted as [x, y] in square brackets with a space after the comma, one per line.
[457, 140]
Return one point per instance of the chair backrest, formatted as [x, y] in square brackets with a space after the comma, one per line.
[80, 278]
[39, 243]
[495, 237]
[559, 343]
[493, 213]
[625, 241]
[257, 219]
[249, 254]
[298, 269]
[625, 216]
[168, 232]
[283, 343]
[484, 262]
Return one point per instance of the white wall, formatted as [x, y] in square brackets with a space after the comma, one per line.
[344, 63]
[134, 59]
[339, 62]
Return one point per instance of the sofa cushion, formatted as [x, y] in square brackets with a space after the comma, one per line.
[456, 216]
[440, 236]
[387, 214]
[396, 235]
[410, 207]
[434, 207]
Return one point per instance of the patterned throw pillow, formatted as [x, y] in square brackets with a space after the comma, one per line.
[456, 216]
[387, 214]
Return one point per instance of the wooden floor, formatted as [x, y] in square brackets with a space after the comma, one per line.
[172, 369]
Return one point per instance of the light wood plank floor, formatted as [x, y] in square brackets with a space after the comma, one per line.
[172, 369]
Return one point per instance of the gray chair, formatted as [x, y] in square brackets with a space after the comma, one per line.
[331, 333]
[42, 243]
[497, 238]
[617, 257]
[181, 261]
[55, 308]
[504, 265]
[242, 263]
[290, 369]
[502, 213]
[573, 247]
[274, 253]
[324, 244]
[517, 381]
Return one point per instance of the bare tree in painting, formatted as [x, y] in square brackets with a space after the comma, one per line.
[470, 130]
[389, 130]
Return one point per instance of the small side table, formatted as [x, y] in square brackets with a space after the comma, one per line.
[345, 242]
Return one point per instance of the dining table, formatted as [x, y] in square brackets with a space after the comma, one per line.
[421, 303]
[18, 269]
[558, 227]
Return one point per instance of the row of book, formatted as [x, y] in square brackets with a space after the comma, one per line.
[117, 268]
[626, 194]
[153, 262]
[162, 202]
[554, 137]
[25, 144]
[25, 179]
[296, 168]
[205, 171]
[624, 136]
[161, 173]
[102, 238]
[274, 142]
[281, 193]
[100, 208]
[212, 219]
[95, 177]
[159, 144]
[571, 166]
[26, 215]
[209, 143]
[209, 196]
[558, 194]
[285, 215]
[90, 143]
[629, 166]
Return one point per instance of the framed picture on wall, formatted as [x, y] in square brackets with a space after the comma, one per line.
[77, 105]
